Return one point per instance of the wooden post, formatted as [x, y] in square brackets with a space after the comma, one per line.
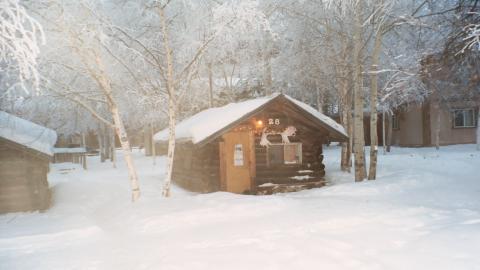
[84, 161]
[113, 154]
[253, 163]
[223, 171]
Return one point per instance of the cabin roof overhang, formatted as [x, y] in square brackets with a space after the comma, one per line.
[30, 151]
[335, 131]
[19, 131]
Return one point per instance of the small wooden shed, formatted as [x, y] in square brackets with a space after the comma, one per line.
[25, 153]
[253, 147]
[77, 155]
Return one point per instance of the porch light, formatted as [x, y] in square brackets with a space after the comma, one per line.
[259, 124]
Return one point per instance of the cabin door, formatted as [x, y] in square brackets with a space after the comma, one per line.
[237, 157]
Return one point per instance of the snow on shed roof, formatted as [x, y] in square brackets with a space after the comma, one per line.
[206, 123]
[26, 133]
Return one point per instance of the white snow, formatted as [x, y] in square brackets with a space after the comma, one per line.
[268, 185]
[301, 177]
[205, 123]
[423, 212]
[26, 133]
[305, 171]
[59, 150]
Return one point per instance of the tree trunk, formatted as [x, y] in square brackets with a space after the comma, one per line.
[99, 75]
[171, 105]
[344, 69]
[210, 85]
[319, 98]
[359, 140]
[437, 127]
[350, 141]
[267, 64]
[383, 133]
[390, 131]
[101, 143]
[107, 143]
[122, 135]
[349, 96]
[345, 156]
[147, 141]
[372, 172]
[105, 86]
[268, 76]
[346, 163]
[154, 150]
[83, 158]
[84, 141]
[478, 130]
[113, 154]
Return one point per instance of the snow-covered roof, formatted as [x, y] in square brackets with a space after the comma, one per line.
[320, 116]
[26, 133]
[204, 124]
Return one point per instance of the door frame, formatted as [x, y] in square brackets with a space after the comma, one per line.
[250, 153]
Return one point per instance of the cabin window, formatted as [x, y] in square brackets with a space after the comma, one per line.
[289, 153]
[464, 118]
[238, 159]
[395, 124]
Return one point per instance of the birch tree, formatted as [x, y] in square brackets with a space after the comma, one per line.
[359, 139]
[85, 56]
[171, 54]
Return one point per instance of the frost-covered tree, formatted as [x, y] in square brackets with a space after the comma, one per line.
[20, 37]
[83, 65]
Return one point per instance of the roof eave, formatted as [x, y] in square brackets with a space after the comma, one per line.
[32, 151]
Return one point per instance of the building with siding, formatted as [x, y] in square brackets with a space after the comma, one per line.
[25, 153]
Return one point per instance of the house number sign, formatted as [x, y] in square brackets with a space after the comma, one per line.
[274, 121]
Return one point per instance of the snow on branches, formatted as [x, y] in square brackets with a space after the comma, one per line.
[20, 35]
[473, 36]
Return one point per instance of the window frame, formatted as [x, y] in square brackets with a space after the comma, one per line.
[299, 152]
[474, 118]
[395, 122]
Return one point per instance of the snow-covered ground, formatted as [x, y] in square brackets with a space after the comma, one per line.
[423, 212]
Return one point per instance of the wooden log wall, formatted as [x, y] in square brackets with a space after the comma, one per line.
[312, 162]
[309, 135]
[197, 169]
[23, 181]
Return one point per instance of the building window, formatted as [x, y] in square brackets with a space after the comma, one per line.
[280, 154]
[464, 118]
[395, 123]
[238, 159]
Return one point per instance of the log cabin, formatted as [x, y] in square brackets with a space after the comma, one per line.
[25, 153]
[259, 146]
